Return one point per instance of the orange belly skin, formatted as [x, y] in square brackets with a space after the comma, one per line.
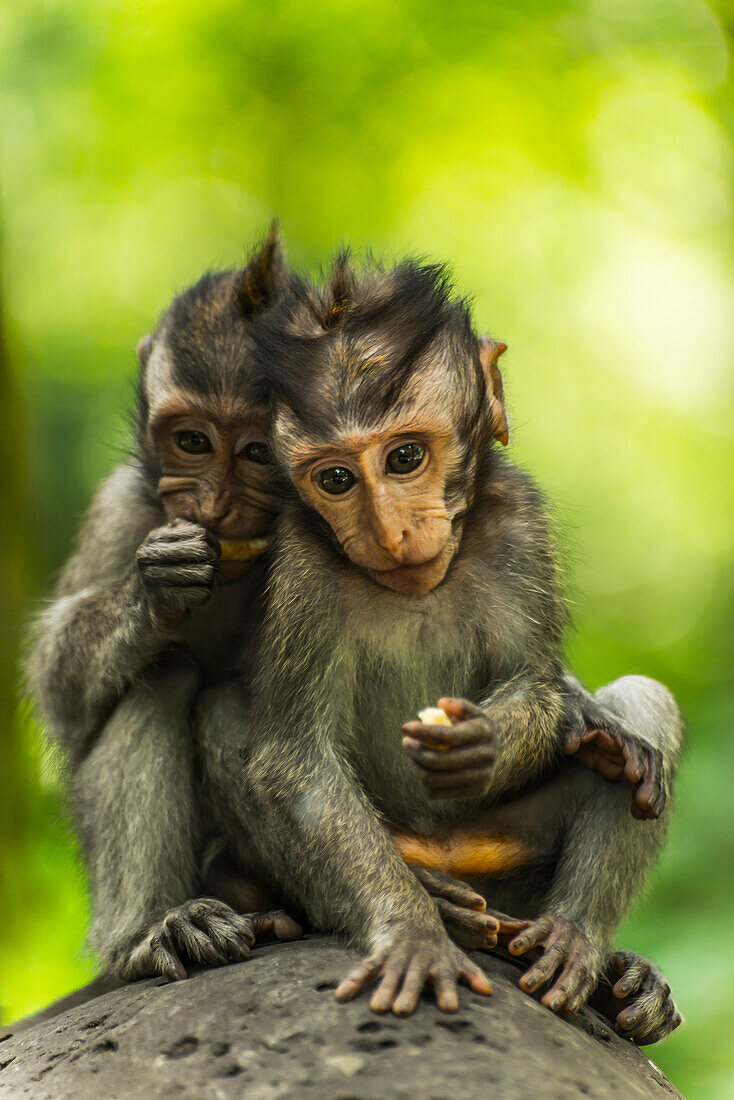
[464, 852]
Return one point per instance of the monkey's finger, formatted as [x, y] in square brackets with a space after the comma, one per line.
[165, 959]
[447, 994]
[530, 936]
[412, 986]
[180, 550]
[650, 795]
[182, 528]
[590, 756]
[508, 929]
[543, 969]
[452, 889]
[645, 1011]
[447, 737]
[475, 978]
[634, 974]
[480, 926]
[460, 708]
[383, 999]
[226, 939]
[577, 1000]
[567, 985]
[182, 576]
[276, 923]
[448, 760]
[195, 942]
[358, 978]
[634, 768]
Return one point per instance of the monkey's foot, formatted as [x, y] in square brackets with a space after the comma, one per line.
[639, 1003]
[559, 945]
[204, 931]
[619, 755]
[462, 910]
[406, 966]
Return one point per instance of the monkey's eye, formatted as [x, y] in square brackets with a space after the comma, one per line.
[337, 479]
[257, 452]
[406, 458]
[194, 443]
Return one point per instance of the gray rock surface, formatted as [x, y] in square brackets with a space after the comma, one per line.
[270, 1028]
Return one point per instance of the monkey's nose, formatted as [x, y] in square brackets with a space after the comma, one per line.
[214, 511]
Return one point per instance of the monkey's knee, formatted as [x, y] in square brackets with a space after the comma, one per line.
[649, 708]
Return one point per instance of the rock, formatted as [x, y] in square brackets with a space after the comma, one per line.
[271, 1028]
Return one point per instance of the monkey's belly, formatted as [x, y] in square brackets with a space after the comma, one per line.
[464, 852]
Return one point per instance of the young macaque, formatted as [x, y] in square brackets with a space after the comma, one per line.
[144, 619]
[413, 565]
[139, 644]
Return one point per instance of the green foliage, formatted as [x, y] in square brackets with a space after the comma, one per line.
[573, 159]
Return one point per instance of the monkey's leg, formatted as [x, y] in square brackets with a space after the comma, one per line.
[135, 808]
[605, 856]
[636, 998]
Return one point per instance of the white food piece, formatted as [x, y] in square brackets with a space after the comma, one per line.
[434, 716]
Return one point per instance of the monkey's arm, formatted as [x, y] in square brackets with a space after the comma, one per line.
[113, 614]
[601, 740]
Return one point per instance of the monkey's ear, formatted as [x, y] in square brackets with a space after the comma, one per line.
[145, 345]
[259, 281]
[489, 353]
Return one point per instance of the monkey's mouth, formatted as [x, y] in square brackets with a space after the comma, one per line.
[418, 579]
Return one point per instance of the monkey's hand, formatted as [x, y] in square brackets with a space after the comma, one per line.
[636, 998]
[204, 931]
[462, 910]
[455, 761]
[405, 965]
[557, 944]
[619, 755]
[177, 565]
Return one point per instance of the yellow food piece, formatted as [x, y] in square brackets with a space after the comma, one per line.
[434, 716]
[242, 549]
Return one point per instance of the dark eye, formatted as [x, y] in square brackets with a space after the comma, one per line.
[194, 443]
[337, 479]
[406, 458]
[257, 452]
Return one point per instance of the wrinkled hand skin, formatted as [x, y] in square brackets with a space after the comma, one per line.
[636, 998]
[558, 948]
[455, 761]
[462, 910]
[405, 965]
[204, 931]
[619, 755]
[177, 565]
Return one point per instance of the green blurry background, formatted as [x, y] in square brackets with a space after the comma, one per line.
[573, 161]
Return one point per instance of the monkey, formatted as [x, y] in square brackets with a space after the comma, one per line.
[144, 617]
[110, 667]
[142, 626]
[412, 561]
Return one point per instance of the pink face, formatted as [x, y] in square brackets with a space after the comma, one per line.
[382, 494]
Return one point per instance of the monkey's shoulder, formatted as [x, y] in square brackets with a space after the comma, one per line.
[121, 513]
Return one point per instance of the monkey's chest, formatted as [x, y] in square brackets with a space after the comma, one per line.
[217, 632]
[387, 694]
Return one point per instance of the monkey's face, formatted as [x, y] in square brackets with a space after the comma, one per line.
[215, 467]
[383, 492]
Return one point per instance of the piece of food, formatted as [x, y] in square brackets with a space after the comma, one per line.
[242, 549]
[434, 716]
